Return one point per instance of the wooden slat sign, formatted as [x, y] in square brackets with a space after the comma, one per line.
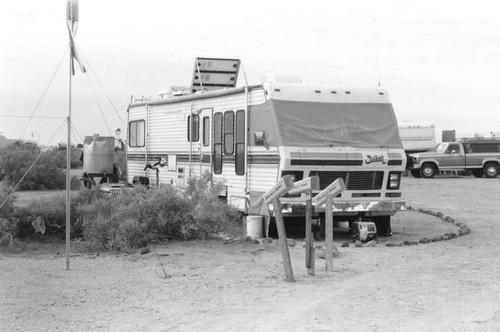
[279, 189]
[335, 188]
[308, 184]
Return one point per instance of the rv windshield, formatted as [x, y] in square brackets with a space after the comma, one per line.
[329, 124]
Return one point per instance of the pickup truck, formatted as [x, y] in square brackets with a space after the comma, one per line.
[479, 156]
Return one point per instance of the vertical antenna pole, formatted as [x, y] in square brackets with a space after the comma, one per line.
[68, 167]
[376, 50]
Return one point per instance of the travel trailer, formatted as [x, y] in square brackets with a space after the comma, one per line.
[417, 136]
[251, 136]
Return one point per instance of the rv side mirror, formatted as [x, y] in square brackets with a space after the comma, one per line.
[260, 137]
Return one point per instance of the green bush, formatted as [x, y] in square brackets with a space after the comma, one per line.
[8, 231]
[17, 160]
[53, 211]
[133, 219]
[8, 224]
[139, 216]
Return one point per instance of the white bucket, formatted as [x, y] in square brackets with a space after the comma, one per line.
[254, 226]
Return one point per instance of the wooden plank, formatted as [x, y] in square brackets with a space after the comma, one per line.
[305, 185]
[279, 189]
[285, 253]
[335, 188]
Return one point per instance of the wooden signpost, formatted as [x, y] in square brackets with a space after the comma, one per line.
[307, 186]
[272, 196]
[326, 197]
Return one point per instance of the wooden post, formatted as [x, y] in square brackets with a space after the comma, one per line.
[307, 186]
[272, 196]
[309, 238]
[285, 253]
[326, 196]
[329, 233]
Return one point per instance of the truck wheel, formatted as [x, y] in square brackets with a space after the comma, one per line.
[415, 173]
[490, 170]
[478, 173]
[428, 171]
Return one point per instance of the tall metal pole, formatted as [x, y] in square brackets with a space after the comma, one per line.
[68, 167]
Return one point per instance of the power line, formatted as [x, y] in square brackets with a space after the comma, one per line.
[32, 117]
[102, 88]
[43, 95]
[29, 169]
[98, 104]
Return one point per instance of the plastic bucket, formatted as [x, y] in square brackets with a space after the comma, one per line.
[254, 226]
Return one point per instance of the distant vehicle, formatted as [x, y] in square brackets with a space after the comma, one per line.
[417, 136]
[480, 156]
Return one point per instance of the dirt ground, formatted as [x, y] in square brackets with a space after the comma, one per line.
[448, 285]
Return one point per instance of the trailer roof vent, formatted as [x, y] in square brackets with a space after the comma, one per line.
[213, 74]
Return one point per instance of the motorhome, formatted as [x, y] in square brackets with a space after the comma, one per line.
[251, 136]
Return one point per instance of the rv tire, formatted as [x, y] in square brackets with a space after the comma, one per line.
[383, 224]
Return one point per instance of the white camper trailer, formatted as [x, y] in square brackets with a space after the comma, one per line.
[251, 136]
[417, 136]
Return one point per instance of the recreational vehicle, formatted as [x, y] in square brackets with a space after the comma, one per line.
[251, 136]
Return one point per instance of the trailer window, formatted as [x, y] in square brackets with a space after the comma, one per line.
[206, 131]
[195, 125]
[217, 158]
[136, 133]
[229, 132]
[240, 143]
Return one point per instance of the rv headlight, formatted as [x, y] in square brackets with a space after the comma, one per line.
[296, 175]
[394, 180]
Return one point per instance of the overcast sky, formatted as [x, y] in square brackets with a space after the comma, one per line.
[439, 60]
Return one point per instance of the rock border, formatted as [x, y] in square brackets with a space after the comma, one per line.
[463, 230]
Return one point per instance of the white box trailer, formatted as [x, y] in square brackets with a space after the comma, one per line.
[251, 136]
[417, 136]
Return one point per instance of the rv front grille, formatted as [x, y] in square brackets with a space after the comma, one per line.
[354, 180]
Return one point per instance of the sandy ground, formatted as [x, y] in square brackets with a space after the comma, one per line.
[210, 286]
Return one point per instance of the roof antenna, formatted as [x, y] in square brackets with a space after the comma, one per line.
[376, 49]
[244, 74]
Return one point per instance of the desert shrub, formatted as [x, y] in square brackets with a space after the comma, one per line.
[8, 223]
[8, 231]
[7, 200]
[47, 173]
[133, 219]
[53, 211]
[139, 216]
